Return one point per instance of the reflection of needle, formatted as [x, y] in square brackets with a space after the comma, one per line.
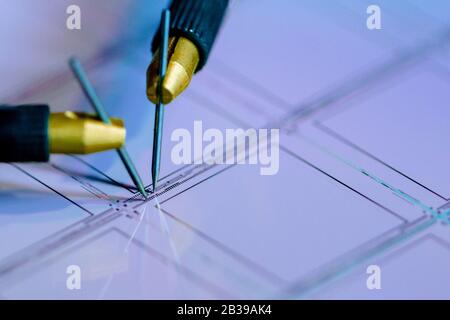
[166, 230]
[108, 282]
[111, 276]
[136, 228]
[105, 287]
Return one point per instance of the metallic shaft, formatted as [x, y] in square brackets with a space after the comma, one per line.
[97, 105]
[159, 111]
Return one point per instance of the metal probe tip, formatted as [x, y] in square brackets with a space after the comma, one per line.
[183, 59]
[159, 111]
[81, 133]
[88, 89]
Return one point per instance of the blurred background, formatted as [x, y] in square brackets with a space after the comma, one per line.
[363, 166]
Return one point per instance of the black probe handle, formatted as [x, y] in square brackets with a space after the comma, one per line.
[198, 21]
[24, 133]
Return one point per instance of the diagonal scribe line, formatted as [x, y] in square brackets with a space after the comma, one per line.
[197, 183]
[344, 140]
[144, 212]
[444, 217]
[296, 156]
[100, 194]
[363, 80]
[52, 189]
[115, 182]
[267, 274]
[209, 167]
[319, 280]
[136, 193]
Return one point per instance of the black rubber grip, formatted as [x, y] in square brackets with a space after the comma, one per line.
[197, 20]
[24, 133]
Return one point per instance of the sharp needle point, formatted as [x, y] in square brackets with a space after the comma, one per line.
[159, 110]
[88, 89]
